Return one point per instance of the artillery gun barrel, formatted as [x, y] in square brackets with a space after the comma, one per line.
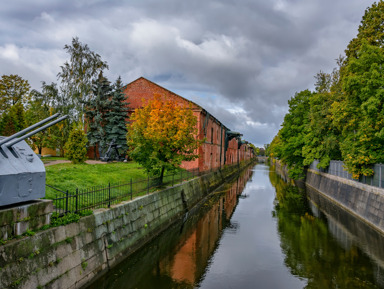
[15, 141]
[28, 129]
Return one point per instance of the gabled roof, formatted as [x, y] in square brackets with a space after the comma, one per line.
[171, 92]
[176, 95]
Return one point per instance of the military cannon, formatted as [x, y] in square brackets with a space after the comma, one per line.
[22, 173]
[112, 153]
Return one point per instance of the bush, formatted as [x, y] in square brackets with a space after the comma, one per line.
[75, 148]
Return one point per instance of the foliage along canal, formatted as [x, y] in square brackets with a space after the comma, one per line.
[258, 232]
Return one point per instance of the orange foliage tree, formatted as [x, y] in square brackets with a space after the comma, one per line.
[161, 135]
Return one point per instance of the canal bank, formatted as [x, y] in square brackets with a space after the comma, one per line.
[72, 255]
[363, 201]
[177, 257]
[259, 232]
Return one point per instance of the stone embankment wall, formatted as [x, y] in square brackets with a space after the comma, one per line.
[364, 201]
[17, 220]
[70, 256]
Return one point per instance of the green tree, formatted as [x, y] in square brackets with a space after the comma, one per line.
[18, 114]
[370, 30]
[97, 108]
[322, 138]
[255, 149]
[361, 112]
[75, 148]
[39, 108]
[13, 120]
[13, 90]
[293, 132]
[162, 135]
[43, 104]
[116, 124]
[77, 75]
[7, 125]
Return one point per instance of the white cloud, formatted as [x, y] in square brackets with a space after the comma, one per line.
[10, 52]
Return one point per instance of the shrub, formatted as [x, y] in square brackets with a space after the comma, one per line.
[76, 150]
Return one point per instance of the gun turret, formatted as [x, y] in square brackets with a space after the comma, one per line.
[22, 173]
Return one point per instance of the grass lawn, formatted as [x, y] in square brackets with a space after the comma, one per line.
[82, 176]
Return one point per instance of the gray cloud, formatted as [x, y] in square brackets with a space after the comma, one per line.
[241, 60]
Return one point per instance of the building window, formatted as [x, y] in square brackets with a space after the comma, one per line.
[211, 134]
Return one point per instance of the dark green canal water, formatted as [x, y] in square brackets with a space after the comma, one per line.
[258, 232]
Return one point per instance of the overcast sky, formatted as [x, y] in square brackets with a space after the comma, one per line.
[241, 60]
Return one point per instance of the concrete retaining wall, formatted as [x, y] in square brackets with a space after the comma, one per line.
[364, 201]
[70, 256]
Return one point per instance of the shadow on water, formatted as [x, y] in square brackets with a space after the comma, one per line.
[322, 243]
[178, 257]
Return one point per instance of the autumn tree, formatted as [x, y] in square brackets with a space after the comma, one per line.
[162, 135]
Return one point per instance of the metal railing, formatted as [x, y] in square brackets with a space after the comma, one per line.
[105, 196]
[336, 168]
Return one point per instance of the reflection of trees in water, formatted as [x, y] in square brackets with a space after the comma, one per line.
[179, 257]
[311, 251]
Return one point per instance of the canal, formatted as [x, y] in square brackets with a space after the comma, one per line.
[257, 232]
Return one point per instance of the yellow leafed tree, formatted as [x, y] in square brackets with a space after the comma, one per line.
[162, 134]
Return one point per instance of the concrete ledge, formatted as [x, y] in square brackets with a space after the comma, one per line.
[364, 201]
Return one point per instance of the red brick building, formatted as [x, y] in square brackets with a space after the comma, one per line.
[221, 145]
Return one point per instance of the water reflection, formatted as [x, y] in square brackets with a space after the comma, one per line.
[179, 257]
[258, 232]
[323, 244]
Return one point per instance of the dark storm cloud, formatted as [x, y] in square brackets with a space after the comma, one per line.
[241, 60]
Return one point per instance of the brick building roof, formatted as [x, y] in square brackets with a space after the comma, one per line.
[183, 99]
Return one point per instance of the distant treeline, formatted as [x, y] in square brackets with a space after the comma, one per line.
[343, 119]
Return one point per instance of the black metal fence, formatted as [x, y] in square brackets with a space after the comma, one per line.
[336, 168]
[105, 196]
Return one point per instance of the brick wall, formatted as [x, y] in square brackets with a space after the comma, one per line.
[211, 153]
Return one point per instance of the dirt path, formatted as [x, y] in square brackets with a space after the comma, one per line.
[91, 162]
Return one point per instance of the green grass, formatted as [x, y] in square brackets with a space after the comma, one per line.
[82, 176]
[92, 181]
